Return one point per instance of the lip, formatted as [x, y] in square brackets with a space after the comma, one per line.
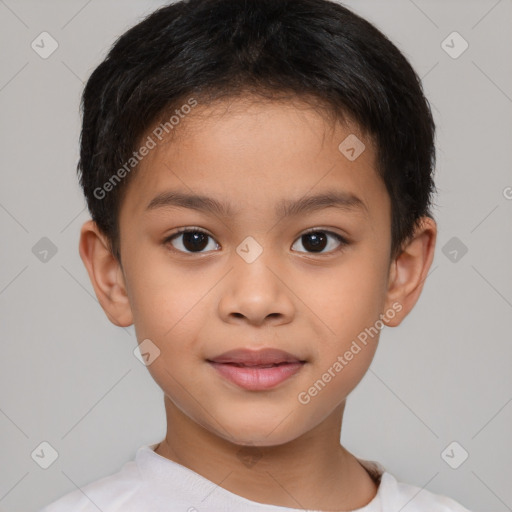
[257, 370]
[256, 378]
[256, 357]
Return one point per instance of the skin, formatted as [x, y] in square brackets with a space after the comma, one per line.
[194, 306]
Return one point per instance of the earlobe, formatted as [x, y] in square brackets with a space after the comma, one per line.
[105, 274]
[409, 271]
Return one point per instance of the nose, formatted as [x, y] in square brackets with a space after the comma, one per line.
[256, 293]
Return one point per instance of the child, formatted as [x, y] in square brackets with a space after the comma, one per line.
[259, 176]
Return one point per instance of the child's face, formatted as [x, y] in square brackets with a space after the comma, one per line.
[194, 306]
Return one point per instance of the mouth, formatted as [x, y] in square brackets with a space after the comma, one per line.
[258, 366]
[257, 370]
[253, 376]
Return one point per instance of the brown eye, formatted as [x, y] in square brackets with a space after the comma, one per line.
[192, 240]
[316, 241]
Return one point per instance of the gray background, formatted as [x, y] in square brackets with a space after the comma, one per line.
[69, 377]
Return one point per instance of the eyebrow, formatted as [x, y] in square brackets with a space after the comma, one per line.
[342, 200]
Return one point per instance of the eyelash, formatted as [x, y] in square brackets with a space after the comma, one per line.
[343, 241]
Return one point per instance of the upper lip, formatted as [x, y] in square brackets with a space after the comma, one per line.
[256, 357]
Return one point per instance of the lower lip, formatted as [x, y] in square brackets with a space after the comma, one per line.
[257, 378]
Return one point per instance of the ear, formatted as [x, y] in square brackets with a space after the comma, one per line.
[409, 270]
[106, 275]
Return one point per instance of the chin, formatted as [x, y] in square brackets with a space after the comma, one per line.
[268, 431]
[261, 439]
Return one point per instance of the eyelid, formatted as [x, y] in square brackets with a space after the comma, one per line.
[307, 231]
[190, 228]
[324, 230]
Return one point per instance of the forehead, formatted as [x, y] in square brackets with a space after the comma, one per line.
[257, 156]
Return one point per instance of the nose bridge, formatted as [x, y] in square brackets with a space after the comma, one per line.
[254, 288]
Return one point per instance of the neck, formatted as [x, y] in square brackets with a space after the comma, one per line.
[313, 471]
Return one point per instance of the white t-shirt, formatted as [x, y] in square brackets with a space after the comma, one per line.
[152, 483]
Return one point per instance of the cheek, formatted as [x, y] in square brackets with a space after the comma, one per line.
[164, 300]
[339, 366]
[346, 300]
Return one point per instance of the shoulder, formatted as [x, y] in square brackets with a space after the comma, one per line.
[399, 494]
[394, 495]
[106, 494]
